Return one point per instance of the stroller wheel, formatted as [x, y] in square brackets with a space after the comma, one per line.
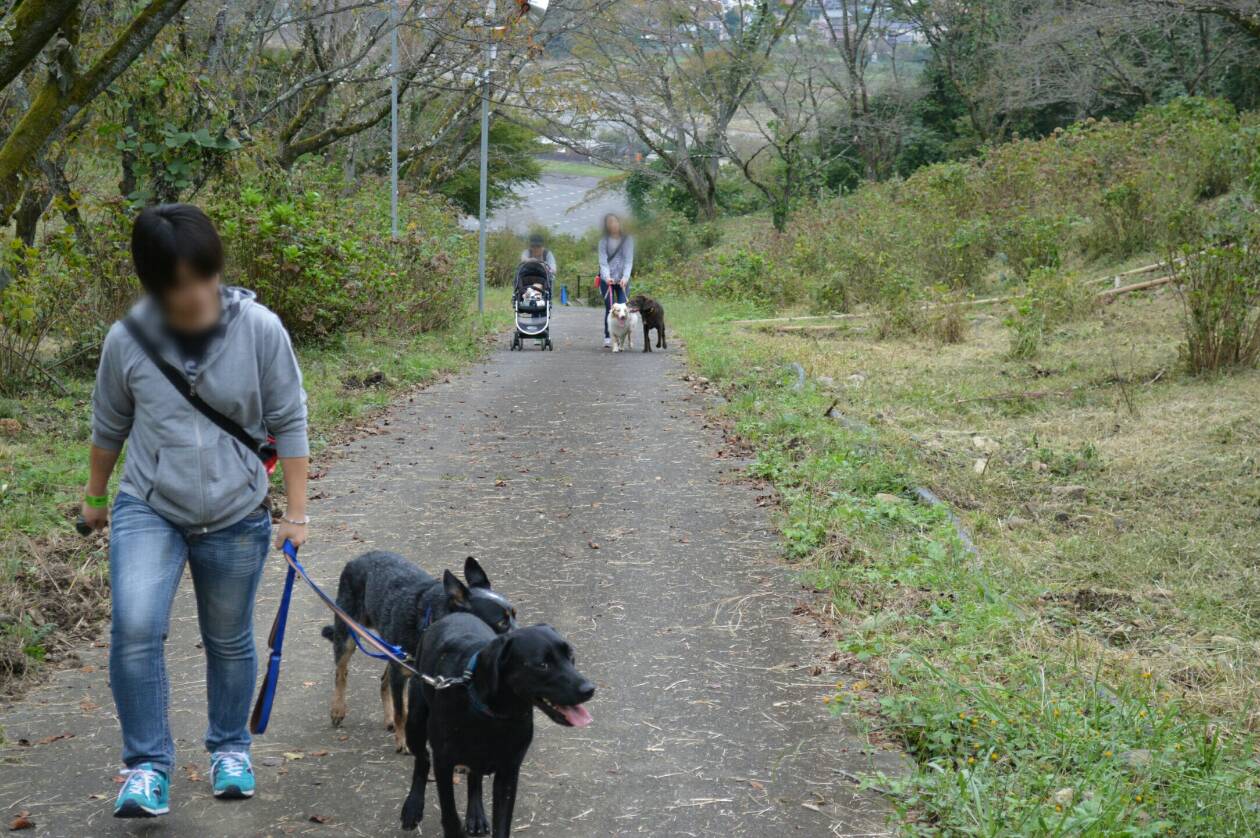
[549, 345]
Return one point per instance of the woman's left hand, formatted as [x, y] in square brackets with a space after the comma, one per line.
[287, 531]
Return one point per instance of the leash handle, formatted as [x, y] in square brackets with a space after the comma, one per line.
[271, 681]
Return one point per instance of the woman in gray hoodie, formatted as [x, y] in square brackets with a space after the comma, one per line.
[616, 262]
[193, 490]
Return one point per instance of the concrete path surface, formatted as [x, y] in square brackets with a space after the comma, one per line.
[591, 490]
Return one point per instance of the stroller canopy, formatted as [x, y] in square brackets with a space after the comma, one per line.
[531, 272]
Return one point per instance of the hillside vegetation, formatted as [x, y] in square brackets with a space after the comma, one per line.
[1077, 653]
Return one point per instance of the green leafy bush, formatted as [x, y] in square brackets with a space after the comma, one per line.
[1032, 242]
[741, 275]
[1052, 298]
[325, 263]
[1220, 294]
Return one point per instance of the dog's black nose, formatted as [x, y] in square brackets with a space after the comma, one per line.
[586, 690]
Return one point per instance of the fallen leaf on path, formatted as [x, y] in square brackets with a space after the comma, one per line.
[97, 796]
[22, 821]
[317, 753]
[593, 545]
[87, 705]
[309, 683]
[293, 755]
[320, 819]
[47, 740]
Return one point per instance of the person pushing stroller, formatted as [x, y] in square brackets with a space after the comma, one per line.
[538, 252]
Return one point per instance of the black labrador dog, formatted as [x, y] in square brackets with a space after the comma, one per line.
[388, 593]
[653, 315]
[486, 723]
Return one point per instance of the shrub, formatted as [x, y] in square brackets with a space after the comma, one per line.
[325, 263]
[503, 253]
[900, 307]
[742, 275]
[1220, 294]
[1031, 242]
[1052, 299]
[948, 323]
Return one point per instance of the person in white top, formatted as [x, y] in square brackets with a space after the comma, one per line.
[616, 261]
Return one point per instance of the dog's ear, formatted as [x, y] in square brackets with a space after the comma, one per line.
[474, 574]
[456, 591]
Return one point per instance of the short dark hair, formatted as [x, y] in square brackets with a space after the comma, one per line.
[165, 235]
[537, 240]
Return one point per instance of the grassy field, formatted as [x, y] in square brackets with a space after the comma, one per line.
[54, 585]
[575, 168]
[1091, 667]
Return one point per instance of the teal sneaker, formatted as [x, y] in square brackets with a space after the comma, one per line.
[231, 775]
[146, 793]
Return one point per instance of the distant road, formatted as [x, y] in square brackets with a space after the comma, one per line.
[558, 202]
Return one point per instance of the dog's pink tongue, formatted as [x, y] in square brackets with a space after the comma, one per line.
[578, 716]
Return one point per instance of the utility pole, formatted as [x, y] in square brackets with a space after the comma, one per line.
[393, 120]
[487, 63]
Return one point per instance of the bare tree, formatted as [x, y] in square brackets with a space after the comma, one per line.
[672, 74]
[790, 108]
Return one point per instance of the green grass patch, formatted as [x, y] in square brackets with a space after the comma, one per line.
[575, 168]
[1074, 677]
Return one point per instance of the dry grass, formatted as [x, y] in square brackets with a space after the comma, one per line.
[1121, 492]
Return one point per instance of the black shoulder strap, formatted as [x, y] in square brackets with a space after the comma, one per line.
[180, 382]
[620, 244]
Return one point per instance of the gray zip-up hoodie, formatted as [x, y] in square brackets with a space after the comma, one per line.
[184, 466]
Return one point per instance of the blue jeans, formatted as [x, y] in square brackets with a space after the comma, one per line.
[612, 293]
[147, 555]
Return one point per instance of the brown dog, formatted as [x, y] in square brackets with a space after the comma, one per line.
[653, 316]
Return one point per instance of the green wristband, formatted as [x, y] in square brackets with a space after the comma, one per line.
[96, 501]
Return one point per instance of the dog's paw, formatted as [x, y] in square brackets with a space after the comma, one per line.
[337, 715]
[476, 823]
[412, 812]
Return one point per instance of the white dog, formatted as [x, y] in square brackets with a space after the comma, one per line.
[622, 323]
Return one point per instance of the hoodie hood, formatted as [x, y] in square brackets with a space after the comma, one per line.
[234, 302]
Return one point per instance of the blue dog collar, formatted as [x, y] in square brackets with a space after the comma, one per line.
[474, 700]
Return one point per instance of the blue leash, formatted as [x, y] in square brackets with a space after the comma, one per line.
[267, 693]
[384, 650]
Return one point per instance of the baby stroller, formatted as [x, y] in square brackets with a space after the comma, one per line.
[531, 300]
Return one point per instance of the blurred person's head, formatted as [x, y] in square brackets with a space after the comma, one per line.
[612, 225]
[179, 259]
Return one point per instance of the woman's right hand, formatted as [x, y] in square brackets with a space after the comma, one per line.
[96, 517]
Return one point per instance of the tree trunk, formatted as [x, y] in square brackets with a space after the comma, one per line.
[57, 103]
[30, 26]
[26, 219]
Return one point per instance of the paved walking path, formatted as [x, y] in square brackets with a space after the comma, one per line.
[708, 721]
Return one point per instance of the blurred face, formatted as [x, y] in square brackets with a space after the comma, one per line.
[193, 301]
[613, 225]
[536, 250]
